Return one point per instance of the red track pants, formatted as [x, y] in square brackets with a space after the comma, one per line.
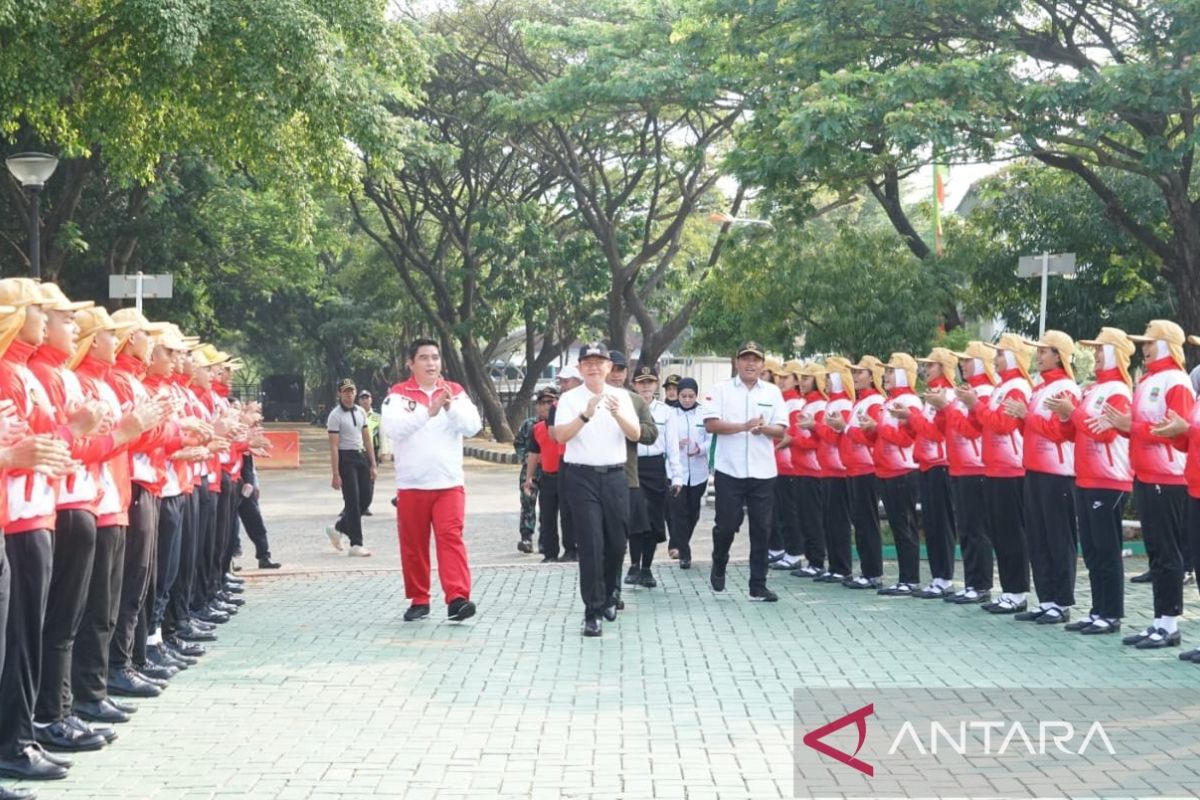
[417, 510]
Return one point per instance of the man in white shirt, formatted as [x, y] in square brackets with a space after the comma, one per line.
[595, 421]
[745, 414]
[425, 418]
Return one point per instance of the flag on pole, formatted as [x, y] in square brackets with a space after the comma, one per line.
[940, 171]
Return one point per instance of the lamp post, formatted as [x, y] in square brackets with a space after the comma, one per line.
[33, 170]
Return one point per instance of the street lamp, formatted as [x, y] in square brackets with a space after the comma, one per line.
[33, 170]
[721, 218]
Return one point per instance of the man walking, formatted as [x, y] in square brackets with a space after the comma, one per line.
[352, 463]
[425, 418]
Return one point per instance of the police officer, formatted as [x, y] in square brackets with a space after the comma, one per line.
[652, 481]
[595, 421]
[747, 415]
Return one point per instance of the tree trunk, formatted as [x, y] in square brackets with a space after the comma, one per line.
[480, 383]
[1184, 270]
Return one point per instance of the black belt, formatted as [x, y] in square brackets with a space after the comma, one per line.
[601, 469]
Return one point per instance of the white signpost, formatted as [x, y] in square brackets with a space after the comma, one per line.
[140, 286]
[1044, 265]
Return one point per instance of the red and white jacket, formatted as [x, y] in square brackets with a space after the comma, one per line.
[1101, 459]
[1155, 459]
[1048, 448]
[929, 428]
[427, 449]
[806, 443]
[784, 463]
[115, 488]
[855, 444]
[32, 497]
[1003, 445]
[829, 452]
[893, 445]
[148, 464]
[964, 434]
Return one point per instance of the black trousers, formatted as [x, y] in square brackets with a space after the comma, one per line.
[548, 515]
[141, 542]
[810, 518]
[684, 511]
[355, 473]
[1052, 535]
[1006, 505]
[737, 497]
[837, 525]
[1193, 532]
[864, 512]
[1161, 509]
[74, 543]
[600, 514]
[937, 519]
[1099, 512]
[252, 521]
[975, 530]
[5, 592]
[206, 545]
[89, 667]
[179, 598]
[29, 557]
[651, 518]
[900, 502]
[170, 534]
[787, 517]
[226, 514]
[232, 529]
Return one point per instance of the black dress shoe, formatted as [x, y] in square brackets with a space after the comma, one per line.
[1159, 639]
[160, 656]
[647, 579]
[416, 611]
[1099, 630]
[158, 672]
[717, 577]
[616, 601]
[128, 683]
[591, 627]
[193, 634]
[569, 555]
[58, 759]
[209, 615]
[16, 793]
[610, 612]
[1006, 608]
[100, 711]
[1190, 655]
[1054, 616]
[267, 563]
[1189, 578]
[230, 600]
[685, 563]
[460, 609]
[633, 576]
[1145, 577]
[525, 546]
[108, 734]
[237, 588]
[1033, 615]
[161, 683]
[123, 706]
[549, 559]
[230, 578]
[184, 651]
[1078, 625]
[1135, 638]
[221, 607]
[65, 738]
[31, 764]
[763, 595]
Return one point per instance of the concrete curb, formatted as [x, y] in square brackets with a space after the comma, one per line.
[485, 454]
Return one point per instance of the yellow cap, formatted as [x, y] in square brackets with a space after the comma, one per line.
[841, 366]
[169, 337]
[1062, 344]
[907, 363]
[1123, 347]
[979, 350]
[944, 357]
[817, 372]
[91, 321]
[53, 298]
[874, 365]
[770, 363]
[20, 292]
[11, 320]
[1014, 344]
[1159, 330]
[792, 367]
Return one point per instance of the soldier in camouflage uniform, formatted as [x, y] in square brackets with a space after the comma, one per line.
[528, 501]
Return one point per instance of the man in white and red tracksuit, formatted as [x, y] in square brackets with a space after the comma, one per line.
[1003, 464]
[426, 418]
[1049, 483]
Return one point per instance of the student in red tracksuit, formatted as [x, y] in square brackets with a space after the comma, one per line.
[1159, 484]
[968, 483]
[1004, 468]
[1103, 477]
[892, 449]
[810, 488]
[855, 448]
[840, 387]
[1049, 459]
[787, 519]
[929, 450]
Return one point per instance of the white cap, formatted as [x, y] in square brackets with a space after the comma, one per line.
[571, 372]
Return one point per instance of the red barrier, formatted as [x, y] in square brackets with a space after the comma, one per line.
[285, 451]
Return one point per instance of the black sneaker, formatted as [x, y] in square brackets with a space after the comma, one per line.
[460, 609]
[633, 577]
[647, 579]
[763, 595]
[416, 611]
[717, 577]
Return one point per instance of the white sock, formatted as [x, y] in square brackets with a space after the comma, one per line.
[1046, 606]
[1157, 622]
[1170, 624]
[1100, 622]
[1017, 598]
[154, 638]
[776, 552]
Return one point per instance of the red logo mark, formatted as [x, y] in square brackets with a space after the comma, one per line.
[859, 718]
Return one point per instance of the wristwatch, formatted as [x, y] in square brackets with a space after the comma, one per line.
[584, 419]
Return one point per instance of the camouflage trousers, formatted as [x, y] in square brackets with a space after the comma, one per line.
[528, 504]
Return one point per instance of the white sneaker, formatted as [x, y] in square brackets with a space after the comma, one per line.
[359, 550]
[335, 538]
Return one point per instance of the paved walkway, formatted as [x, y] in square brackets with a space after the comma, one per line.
[318, 690]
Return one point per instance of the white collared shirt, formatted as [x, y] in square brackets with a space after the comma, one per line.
[745, 454]
[600, 442]
[687, 447]
[660, 412]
